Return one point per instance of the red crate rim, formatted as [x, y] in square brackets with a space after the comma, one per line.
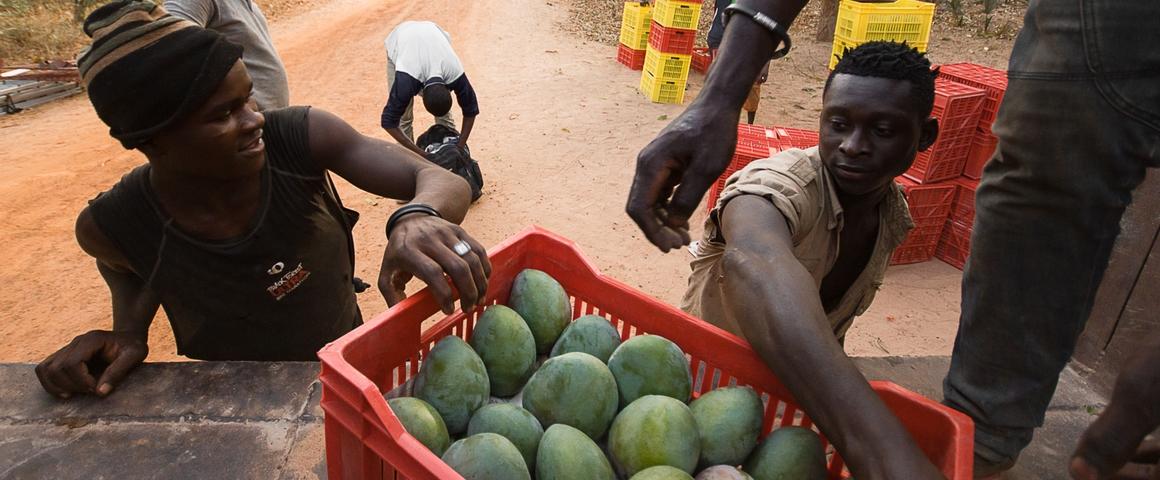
[375, 409]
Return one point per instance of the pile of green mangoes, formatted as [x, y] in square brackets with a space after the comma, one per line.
[537, 395]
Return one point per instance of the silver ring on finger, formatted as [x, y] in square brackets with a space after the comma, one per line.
[461, 248]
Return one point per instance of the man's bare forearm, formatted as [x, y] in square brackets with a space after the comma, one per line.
[397, 134]
[781, 315]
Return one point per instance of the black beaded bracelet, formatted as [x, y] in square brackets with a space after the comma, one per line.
[407, 210]
[776, 29]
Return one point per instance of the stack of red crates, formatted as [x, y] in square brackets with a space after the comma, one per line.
[994, 82]
[955, 244]
[755, 142]
[956, 106]
[930, 206]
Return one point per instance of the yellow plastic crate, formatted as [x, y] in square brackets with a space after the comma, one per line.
[634, 25]
[667, 66]
[840, 44]
[675, 14]
[903, 20]
[660, 90]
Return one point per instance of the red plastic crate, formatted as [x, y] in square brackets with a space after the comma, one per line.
[957, 106]
[989, 79]
[633, 59]
[796, 137]
[701, 59]
[919, 246]
[982, 148]
[942, 161]
[753, 142]
[955, 245]
[963, 210]
[671, 40]
[930, 204]
[364, 438]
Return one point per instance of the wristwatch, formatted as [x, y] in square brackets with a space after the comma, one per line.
[776, 29]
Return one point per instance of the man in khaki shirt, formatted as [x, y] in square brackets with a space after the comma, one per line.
[798, 243]
[797, 184]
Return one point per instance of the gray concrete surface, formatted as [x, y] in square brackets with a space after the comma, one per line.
[234, 420]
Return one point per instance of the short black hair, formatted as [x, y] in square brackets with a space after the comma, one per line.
[892, 60]
[437, 99]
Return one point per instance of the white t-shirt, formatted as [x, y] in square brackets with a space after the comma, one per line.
[423, 50]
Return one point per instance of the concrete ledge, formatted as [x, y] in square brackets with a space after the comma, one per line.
[262, 420]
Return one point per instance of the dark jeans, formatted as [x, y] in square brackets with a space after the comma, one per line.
[1078, 126]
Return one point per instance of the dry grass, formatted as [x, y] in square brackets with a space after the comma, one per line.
[38, 30]
[34, 31]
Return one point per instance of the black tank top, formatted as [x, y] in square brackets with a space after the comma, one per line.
[279, 292]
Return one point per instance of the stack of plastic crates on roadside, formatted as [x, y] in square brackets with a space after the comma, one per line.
[956, 106]
[634, 29]
[994, 82]
[669, 53]
[955, 245]
[903, 20]
[755, 142]
[930, 206]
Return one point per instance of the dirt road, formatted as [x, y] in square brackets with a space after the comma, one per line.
[561, 124]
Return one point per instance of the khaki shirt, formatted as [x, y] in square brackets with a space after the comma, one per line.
[800, 187]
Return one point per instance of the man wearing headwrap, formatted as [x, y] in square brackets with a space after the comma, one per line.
[420, 61]
[233, 225]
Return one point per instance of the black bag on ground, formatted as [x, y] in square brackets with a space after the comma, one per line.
[439, 142]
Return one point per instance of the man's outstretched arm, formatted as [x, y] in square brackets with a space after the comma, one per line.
[677, 168]
[775, 301]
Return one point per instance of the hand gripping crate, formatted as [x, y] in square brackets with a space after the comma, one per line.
[989, 79]
[364, 439]
[634, 25]
[674, 14]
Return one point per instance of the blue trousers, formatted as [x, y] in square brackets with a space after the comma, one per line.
[1078, 127]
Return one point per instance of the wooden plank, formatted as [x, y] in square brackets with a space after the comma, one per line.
[1139, 228]
[1138, 324]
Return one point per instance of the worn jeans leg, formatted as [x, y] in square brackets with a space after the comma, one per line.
[1047, 214]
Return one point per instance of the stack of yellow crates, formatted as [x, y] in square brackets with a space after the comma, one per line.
[634, 27]
[665, 74]
[903, 20]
